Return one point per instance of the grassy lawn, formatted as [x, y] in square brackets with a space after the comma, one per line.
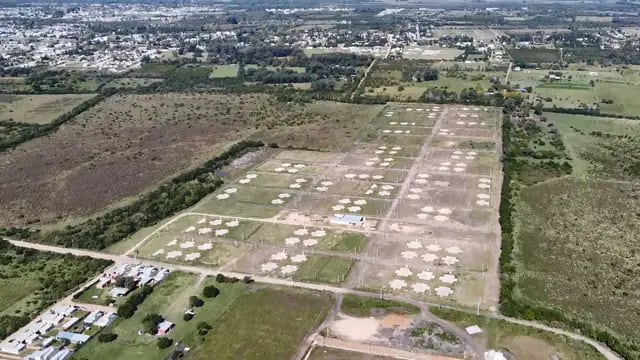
[224, 71]
[324, 269]
[522, 342]
[93, 295]
[38, 109]
[360, 307]
[264, 324]
[343, 241]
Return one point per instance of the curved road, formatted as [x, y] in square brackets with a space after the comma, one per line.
[424, 306]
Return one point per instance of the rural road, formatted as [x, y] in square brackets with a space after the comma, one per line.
[121, 259]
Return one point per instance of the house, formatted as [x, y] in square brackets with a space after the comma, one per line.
[119, 291]
[349, 220]
[73, 337]
[91, 318]
[164, 327]
[106, 320]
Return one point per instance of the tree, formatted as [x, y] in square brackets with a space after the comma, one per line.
[106, 337]
[187, 316]
[210, 291]
[164, 342]
[220, 278]
[195, 301]
[150, 323]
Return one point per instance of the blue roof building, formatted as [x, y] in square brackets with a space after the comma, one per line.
[73, 337]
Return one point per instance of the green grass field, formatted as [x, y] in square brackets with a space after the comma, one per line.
[38, 109]
[362, 307]
[224, 71]
[264, 324]
[522, 342]
[324, 269]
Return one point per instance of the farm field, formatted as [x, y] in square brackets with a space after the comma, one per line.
[38, 109]
[136, 137]
[522, 342]
[576, 233]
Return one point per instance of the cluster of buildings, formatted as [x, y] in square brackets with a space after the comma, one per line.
[141, 274]
[71, 38]
[58, 331]
[54, 333]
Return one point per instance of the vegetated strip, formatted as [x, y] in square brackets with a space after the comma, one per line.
[513, 305]
[175, 195]
[587, 112]
[25, 132]
[53, 285]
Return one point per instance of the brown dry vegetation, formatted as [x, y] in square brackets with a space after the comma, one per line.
[128, 143]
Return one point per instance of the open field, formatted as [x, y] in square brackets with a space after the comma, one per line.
[224, 71]
[575, 239]
[430, 53]
[273, 321]
[147, 138]
[38, 109]
[610, 89]
[520, 341]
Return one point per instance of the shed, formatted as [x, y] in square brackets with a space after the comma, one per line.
[164, 327]
[346, 219]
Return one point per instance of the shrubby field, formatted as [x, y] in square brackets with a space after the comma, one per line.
[128, 143]
[575, 218]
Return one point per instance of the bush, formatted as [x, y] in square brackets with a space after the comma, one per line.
[187, 316]
[203, 328]
[106, 337]
[210, 291]
[195, 301]
[164, 342]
